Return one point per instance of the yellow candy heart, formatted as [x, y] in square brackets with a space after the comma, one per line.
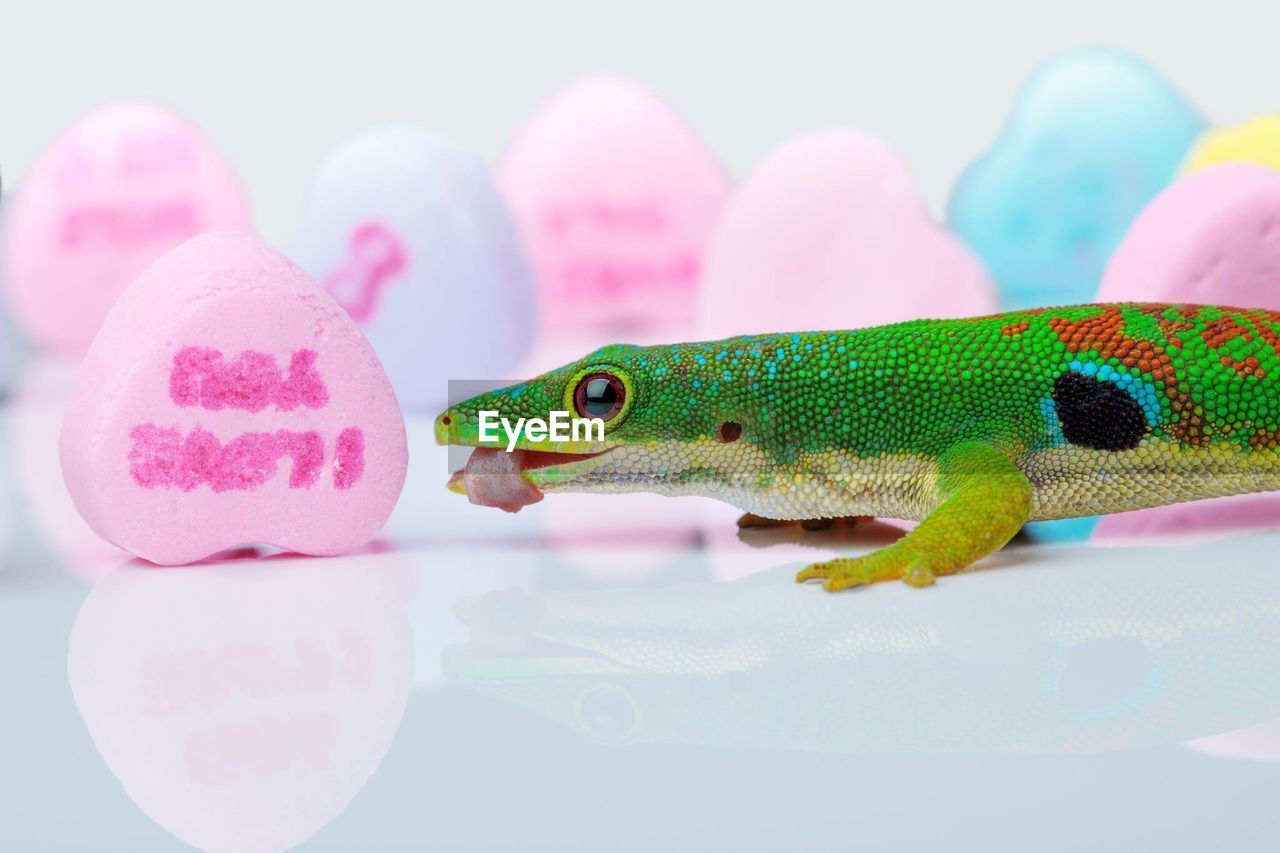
[1255, 141]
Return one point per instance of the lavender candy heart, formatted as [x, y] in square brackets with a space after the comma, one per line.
[409, 235]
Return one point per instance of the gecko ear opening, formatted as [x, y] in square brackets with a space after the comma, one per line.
[730, 432]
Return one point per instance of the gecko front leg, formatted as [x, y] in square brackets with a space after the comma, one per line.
[985, 500]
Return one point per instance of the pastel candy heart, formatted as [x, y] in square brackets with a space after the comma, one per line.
[830, 232]
[1255, 141]
[228, 399]
[1092, 137]
[1211, 238]
[117, 190]
[243, 707]
[411, 236]
[616, 199]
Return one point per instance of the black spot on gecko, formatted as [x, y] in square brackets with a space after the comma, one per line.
[1096, 414]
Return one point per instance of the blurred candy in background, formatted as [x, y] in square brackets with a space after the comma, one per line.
[410, 235]
[34, 413]
[615, 199]
[11, 349]
[1212, 238]
[830, 232]
[116, 190]
[1092, 137]
[1255, 141]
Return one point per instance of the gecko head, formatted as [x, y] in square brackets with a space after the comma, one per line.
[624, 418]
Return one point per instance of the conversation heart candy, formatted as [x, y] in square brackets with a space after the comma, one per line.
[410, 235]
[615, 198]
[117, 190]
[1092, 137]
[1211, 238]
[243, 708]
[228, 399]
[830, 232]
[1256, 141]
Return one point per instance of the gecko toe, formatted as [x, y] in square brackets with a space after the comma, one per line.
[817, 571]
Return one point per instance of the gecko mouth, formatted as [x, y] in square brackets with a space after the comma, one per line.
[511, 480]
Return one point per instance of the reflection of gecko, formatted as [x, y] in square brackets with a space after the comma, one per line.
[376, 257]
[975, 426]
[1091, 653]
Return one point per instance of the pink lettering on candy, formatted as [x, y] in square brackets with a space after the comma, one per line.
[163, 458]
[252, 381]
[376, 257]
[128, 226]
[348, 462]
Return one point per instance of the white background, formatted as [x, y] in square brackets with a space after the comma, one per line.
[277, 85]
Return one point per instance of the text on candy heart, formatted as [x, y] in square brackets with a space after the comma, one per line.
[127, 226]
[376, 257]
[146, 157]
[163, 457]
[252, 381]
[599, 239]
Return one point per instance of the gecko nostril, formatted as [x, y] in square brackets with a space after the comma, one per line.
[447, 421]
[730, 431]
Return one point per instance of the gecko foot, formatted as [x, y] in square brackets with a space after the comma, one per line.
[885, 564]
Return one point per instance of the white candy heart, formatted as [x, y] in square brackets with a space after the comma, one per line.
[411, 237]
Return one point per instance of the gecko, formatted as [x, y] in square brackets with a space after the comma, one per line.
[971, 426]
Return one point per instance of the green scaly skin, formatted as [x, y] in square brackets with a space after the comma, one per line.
[962, 424]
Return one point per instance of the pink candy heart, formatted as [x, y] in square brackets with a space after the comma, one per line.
[1211, 238]
[830, 232]
[615, 198]
[227, 399]
[117, 190]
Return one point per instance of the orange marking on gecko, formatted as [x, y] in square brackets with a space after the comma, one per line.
[1105, 333]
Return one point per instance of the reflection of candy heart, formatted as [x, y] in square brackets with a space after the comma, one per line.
[226, 400]
[118, 189]
[1092, 138]
[410, 235]
[616, 199]
[243, 707]
[829, 232]
[1211, 238]
[1256, 141]
[1254, 743]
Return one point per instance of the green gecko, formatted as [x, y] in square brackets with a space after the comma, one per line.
[972, 426]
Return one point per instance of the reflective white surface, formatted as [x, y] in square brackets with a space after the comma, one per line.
[621, 674]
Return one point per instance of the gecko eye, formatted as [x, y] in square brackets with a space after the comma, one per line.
[599, 395]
